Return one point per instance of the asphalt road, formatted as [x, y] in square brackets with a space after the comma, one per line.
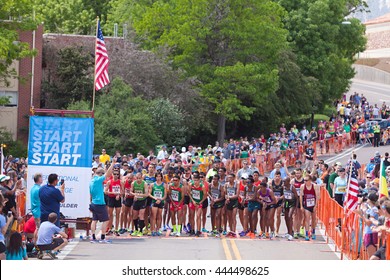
[374, 92]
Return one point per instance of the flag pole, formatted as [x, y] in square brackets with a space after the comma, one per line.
[94, 68]
[343, 225]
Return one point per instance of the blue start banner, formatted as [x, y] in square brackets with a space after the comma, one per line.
[56, 141]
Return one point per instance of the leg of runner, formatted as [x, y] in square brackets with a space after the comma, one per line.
[313, 223]
[130, 219]
[233, 224]
[117, 219]
[192, 218]
[254, 219]
[213, 225]
[263, 219]
[224, 219]
[271, 221]
[135, 222]
[153, 218]
[123, 217]
[307, 223]
[218, 219]
[158, 221]
[278, 218]
[247, 220]
[111, 216]
[204, 214]
[141, 222]
[198, 219]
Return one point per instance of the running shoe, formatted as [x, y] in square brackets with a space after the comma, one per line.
[140, 234]
[178, 234]
[248, 234]
[135, 233]
[122, 230]
[159, 233]
[153, 233]
[290, 238]
[296, 236]
[307, 238]
[302, 231]
[263, 236]
[272, 235]
[198, 233]
[185, 229]
[169, 228]
[173, 233]
[130, 231]
[313, 237]
[105, 241]
[242, 233]
[205, 230]
[267, 235]
[116, 233]
[109, 233]
[94, 241]
[224, 232]
[189, 227]
[164, 228]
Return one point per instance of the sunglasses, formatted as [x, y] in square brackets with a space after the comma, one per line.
[99, 173]
[368, 177]
[115, 174]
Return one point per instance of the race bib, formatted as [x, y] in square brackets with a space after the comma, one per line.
[175, 196]
[127, 192]
[310, 202]
[267, 199]
[138, 193]
[298, 191]
[341, 189]
[288, 195]
[231, 193]
[195, 194]
[116, 189]
[158, 194]
[249, 196]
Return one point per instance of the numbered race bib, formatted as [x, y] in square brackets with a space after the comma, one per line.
[288, 195]
[267, 199]
[215, 196]
[127, 192]
[195, 194]
[138, 193]
[231, 193]
[341, 189]
[175, 196]
[298, 191]
[310, 202]
[116, 189]
[158, 194]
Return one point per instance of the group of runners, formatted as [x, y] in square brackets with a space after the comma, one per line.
[181, 202]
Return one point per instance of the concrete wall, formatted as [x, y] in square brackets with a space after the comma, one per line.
[371, 74]
[9, 120]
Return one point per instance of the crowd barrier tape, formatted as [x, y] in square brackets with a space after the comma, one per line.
[345, 229]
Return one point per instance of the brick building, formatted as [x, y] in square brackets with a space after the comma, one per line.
[24, 91]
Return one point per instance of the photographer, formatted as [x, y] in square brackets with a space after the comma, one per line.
[51, 197]
[8, 189]
[4, 225]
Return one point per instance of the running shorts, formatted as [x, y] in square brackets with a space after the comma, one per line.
[139, 204]
[113, 202]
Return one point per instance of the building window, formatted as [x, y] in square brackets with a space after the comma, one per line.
[13, 97]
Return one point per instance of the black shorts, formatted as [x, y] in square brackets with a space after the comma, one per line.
[149, 201]
[289, 204]
[139, 204]
[232, 204]
[186, 199]
[106, 199]
[159, 206]
[217, 205]
[270, 206]
[381, 253]
[310, 209]
[205, 203]
[99, 212]
[113, 203]
[128, 201]
[242, 207]
[279, 203]
[2, 247]
[48, 247]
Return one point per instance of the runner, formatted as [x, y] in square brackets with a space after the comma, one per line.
[140, 190]
[176, 194]
[202, 177]
[222, 181]
[197, 192]
[308, 198]
[127, 206]
[277, 188]
[149, 179]
[187, 176]
[158, 194]
[267, 197]
[242, 204]
[167, 212]
[251, 193]
[114, 189]
[216, 194]
[297, 182]
[290, 200]
[231, 194]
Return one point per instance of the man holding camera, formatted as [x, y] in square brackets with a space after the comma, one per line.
[51, 197]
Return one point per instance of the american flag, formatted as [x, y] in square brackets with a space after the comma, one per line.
[351, 201]
[102, 61]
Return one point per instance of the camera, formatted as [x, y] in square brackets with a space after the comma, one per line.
[9, 214]
[19, 176]
[362, 194]
[62, 181]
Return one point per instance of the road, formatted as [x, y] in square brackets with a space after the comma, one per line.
[374, 92]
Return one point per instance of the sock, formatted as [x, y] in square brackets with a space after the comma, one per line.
[178, 228]
[174, 228]
[313, 231]
[141, 225]
[103, 236]
[307, 233]
[135, 222]
[93, 236]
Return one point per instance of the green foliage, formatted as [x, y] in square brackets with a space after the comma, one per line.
[231, 47]
[4, 100]
[325, 48]
[168, 122]
[20, 12]
[122, 121]
[72, 81]
[15, 148]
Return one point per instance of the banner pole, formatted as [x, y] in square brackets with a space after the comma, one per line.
[94, 69]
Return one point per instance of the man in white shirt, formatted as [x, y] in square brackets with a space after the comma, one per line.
[162, 153]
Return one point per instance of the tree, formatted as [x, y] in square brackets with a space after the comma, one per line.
[10, 47]
[168, 122]
[72, 79]
[231, 47]
[122, 121]
[325, 48]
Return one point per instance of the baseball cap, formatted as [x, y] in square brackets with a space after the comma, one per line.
[183, 149]
[339, 163]
[377, 154]
[373, 197]
[4, 178]
[199, 148]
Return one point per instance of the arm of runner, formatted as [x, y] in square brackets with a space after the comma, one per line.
[222, 196]
[146, 191]
[109, 170]
[106, 187]
[301, 196]
[273, 198]
[165, 192]
[204, 196]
